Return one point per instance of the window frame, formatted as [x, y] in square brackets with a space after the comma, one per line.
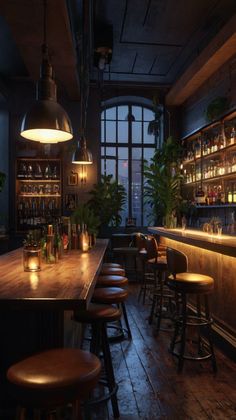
[130, 145]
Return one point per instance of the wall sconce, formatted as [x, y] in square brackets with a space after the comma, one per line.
[32, 259]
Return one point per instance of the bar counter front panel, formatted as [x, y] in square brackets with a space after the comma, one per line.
[216, 257]
[34, 307]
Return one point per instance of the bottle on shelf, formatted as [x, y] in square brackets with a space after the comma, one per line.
[234, 193]
[229, 194]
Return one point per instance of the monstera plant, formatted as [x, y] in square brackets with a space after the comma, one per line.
[162, 183]
[107, 201]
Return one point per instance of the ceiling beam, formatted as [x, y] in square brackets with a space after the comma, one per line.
[25, 20]
[217, 52]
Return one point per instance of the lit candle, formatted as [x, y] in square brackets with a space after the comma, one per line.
[32, 259]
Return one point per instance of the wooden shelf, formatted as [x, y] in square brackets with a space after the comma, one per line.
[39, 195]
[216, 206]
[38, 180]
[212, 179]
[210, 155]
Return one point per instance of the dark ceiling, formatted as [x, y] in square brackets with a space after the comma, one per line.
[154, 41]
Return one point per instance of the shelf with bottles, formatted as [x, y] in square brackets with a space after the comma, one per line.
[219, 193]
[38, 169]
[211, 141]
[197, 179]
[38, 192]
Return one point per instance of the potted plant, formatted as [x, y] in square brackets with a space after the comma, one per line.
[107, 200]
[162, 183]
[216, 108]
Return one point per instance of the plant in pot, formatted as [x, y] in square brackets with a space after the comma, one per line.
[162, 183]
[107, 201]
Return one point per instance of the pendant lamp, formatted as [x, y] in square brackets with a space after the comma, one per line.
[46, 121]
[82, 155]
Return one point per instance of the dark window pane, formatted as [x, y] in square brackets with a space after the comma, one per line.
[136, 191]
[110, 151]
[137, 113]
[111, 113]
[111, 131]
[122, 152]
[111, 167]
[147, 138]
[136, 132]
[122, 112]
[102, 131]
[123, 131]
[148, 153]
[148, 115]
[123, 180]
[136, 153]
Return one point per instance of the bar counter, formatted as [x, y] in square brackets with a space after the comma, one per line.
[214, 256]
[67, 284]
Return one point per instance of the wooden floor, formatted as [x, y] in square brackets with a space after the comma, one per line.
[149, 386]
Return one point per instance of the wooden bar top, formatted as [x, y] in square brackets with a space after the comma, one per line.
[224, 244]
[67, 284]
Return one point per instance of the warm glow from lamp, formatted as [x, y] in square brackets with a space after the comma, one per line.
[44, 135]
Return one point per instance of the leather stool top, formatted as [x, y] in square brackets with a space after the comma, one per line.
[54, 377]
[98, 313]
[111, 265]
[191, 283]
[117, 281]
[109, 295]
[112, 271]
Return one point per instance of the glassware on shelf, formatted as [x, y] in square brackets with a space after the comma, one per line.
[38, 171]
[48, 172]
[30, 171]
[54, 173]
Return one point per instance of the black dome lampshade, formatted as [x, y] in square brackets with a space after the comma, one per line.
[46, 121]
[82, 155]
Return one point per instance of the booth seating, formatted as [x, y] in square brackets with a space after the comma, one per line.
[51, 379]
[187, 285]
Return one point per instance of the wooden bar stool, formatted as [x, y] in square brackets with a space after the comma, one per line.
[111, 265]
[112, 271]
[184, 284]
[98, 316]
[52, 379]
[113, 295]
[111, 281]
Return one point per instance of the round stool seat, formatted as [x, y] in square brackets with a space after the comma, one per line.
[191, 283]
[109, 295]
[110, 281]
[54, 377]
[98, 313]
[112, 271]
[111, 265]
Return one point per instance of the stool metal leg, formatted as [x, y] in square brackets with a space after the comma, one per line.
[209, 333]
[110, 372]
[183, 333]
[126, 320]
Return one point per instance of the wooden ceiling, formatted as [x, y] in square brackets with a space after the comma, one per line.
[156, 42]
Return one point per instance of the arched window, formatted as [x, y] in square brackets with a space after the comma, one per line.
[125, 144]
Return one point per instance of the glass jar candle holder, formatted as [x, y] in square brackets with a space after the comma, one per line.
[32, 259]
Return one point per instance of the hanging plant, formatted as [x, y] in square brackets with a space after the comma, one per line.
[154, 125]
[216, 108]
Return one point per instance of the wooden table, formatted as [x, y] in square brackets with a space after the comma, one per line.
[33, 305]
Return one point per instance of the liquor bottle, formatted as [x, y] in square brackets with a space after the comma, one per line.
[200, 196]
[229, 195]
[38, 171]
[50, 258]
[74, 237]
[234, 193]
